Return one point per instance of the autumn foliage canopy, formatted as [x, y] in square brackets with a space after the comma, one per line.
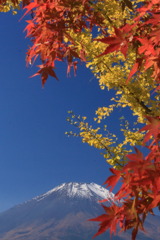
[119, 41]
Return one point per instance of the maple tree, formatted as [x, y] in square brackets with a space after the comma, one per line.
[120, 42]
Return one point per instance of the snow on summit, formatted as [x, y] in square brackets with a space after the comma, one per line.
[81, 190]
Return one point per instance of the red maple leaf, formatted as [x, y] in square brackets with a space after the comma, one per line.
[30, 7]
[155, 202]
[45, 71]
[119, 42]
[112, 180]
[108, 220]
[153, 128]
[135, 68]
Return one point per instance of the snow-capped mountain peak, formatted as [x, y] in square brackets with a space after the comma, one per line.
[80, 190]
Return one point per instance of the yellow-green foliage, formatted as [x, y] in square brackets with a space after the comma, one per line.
[113, 152]
[9, 6]
[112, 71]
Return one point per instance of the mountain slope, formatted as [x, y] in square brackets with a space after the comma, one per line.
[61, 214]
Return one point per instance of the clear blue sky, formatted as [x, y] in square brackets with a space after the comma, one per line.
[35, 154]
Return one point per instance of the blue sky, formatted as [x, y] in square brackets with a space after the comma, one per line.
[35, 154]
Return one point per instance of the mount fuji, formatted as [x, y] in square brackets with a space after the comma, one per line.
[62, 214]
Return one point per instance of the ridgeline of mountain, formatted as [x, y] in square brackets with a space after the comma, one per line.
[62, 214]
